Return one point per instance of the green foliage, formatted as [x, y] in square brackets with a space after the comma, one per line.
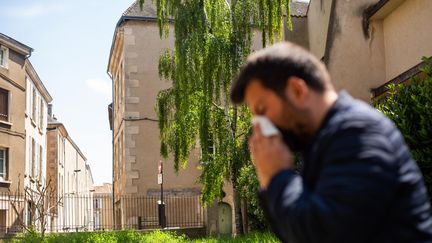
[256, 237]
[31, 236]
[410, 108]
[102, 237]
[134, 236]
[248, 185]
[212, 40]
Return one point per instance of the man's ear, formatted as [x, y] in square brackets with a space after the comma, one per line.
[297, 91]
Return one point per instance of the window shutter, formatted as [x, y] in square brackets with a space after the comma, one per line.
[40, 162]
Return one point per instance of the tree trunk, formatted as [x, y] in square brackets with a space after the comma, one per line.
[237, 205]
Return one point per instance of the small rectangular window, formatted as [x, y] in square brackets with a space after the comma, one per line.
[34, 104]
[3, 164]
[4, 56]
[41, 116]
[4, 105]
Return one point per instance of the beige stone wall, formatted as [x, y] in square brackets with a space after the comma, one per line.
[52, 164]
[118, 75]
[318, 21]
[355, 62]
[398, 38]
[141, 137]
[408, 36]
[299, 33]
[12, 136]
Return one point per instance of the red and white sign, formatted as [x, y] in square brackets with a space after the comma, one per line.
[160, 167]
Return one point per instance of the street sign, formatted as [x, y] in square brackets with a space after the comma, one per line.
[159, 179]
[160, 167]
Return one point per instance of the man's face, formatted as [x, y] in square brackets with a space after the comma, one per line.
[286, 117]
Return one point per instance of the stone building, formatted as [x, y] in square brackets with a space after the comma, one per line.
[367, 44]
[102, 207]
[133, 68]
[13, 60]
[70, 180]
[23, 121]
[13, 64]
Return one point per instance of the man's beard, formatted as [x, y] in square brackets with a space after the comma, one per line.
[295, 142]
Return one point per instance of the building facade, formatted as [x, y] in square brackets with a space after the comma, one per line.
[13, 61]
[102, 207]
[367, 44]
[70, 179]
[37, 99]
[23, 104]
[134, 121]
[133, 68]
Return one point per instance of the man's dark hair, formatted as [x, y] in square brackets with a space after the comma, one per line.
[273, 66]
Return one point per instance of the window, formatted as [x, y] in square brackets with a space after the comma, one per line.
[41, 116]
[33, 101]
[29, 213]
[36, 161]
[3, 164]
[97, 203]
[4, 56]
[36, 120]
[32, 159]
[4, 105]
[40, 163]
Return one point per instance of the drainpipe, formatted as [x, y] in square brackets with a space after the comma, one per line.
[112, 147]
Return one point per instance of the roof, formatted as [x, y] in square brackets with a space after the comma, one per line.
[298, 9]
[16, 45]
[149, 13]
[105, 188]
[149, 10]
[53, 123]
[37, 81]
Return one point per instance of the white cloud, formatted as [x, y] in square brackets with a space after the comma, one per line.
[99, 85]
[34, 10]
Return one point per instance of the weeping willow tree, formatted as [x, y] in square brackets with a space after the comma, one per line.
[212, 40]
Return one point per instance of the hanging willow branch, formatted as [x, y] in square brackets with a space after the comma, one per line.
[212, 40]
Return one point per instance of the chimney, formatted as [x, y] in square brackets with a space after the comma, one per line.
[50, 110]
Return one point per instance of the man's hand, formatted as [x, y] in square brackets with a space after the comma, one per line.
[269, 154]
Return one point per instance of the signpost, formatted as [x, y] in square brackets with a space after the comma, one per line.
[161, 206]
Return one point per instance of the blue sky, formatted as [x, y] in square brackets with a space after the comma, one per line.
[71, 42]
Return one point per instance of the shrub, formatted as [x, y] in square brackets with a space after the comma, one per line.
[410, 107]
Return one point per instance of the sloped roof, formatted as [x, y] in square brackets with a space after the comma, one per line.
[149, 9]
[105, 188]
[298, 9]
[22, 48]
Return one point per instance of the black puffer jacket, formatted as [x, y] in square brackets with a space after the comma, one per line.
[359, 183]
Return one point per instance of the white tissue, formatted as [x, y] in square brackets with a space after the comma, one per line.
[267, 127]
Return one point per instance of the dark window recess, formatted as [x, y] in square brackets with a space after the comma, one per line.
[4, 105]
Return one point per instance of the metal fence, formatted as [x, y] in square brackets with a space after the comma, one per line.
[91, 212]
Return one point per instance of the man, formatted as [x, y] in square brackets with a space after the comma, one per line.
[358, 181]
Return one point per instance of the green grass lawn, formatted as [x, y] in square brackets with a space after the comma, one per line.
[134, 236]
